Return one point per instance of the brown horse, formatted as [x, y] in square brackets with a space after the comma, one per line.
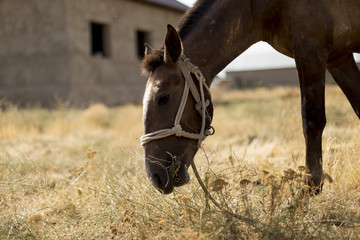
[319, 35]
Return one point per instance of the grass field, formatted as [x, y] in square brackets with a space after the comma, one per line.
[70, 173]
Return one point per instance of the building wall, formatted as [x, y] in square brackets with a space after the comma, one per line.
[116, 79]
[33, 51]
[45, 49]
[264, 78]
[268, 78]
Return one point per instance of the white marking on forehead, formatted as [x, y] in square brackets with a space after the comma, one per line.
[146, 98]
[147, 91]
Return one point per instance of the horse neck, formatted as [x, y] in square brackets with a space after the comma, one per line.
[220, 34]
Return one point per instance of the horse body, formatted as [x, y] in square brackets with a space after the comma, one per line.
[333, 25]
[319, 35]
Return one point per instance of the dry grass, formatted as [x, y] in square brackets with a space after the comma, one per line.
[78, 174]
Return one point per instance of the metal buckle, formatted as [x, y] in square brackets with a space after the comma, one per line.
[210, 131]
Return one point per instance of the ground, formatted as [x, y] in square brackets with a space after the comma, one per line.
[70, 173]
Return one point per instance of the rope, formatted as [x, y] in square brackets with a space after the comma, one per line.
[186, 68]
[256, 224]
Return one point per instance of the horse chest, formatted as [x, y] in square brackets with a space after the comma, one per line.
[281, 45]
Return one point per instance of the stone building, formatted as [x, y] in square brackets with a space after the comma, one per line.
[80, 51]
[268, 77]
[264, 77]
[262, 66]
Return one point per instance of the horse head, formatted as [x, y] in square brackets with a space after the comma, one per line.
[177, 113]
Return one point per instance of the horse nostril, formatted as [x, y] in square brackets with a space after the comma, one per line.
[162, 182]
[156, 180]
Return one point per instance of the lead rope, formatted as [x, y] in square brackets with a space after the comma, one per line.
[200, 99]
[256, 224]
[201, 104]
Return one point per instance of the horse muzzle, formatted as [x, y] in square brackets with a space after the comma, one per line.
[165, 175]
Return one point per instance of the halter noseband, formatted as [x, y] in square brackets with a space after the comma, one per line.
[187, 68]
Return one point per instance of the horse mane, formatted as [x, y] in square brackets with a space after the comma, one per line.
[187, 23]
[192, 16]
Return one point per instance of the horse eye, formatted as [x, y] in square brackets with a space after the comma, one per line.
[163, 99]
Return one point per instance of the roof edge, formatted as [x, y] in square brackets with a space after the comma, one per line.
[170, 4]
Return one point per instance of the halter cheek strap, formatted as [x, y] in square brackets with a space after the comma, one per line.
[187, 68]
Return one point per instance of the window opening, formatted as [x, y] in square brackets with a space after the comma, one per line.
[142, 37]
[99, 39]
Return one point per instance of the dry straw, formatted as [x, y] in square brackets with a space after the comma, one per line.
[72, 174]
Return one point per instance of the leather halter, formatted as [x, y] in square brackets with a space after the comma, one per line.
[187, 68]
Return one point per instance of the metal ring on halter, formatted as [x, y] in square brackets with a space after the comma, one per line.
[210, 131]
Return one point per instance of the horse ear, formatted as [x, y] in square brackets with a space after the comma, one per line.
[148, 49]
[173, 45]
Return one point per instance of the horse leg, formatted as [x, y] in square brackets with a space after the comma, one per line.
[311, 73]
[347, 75]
